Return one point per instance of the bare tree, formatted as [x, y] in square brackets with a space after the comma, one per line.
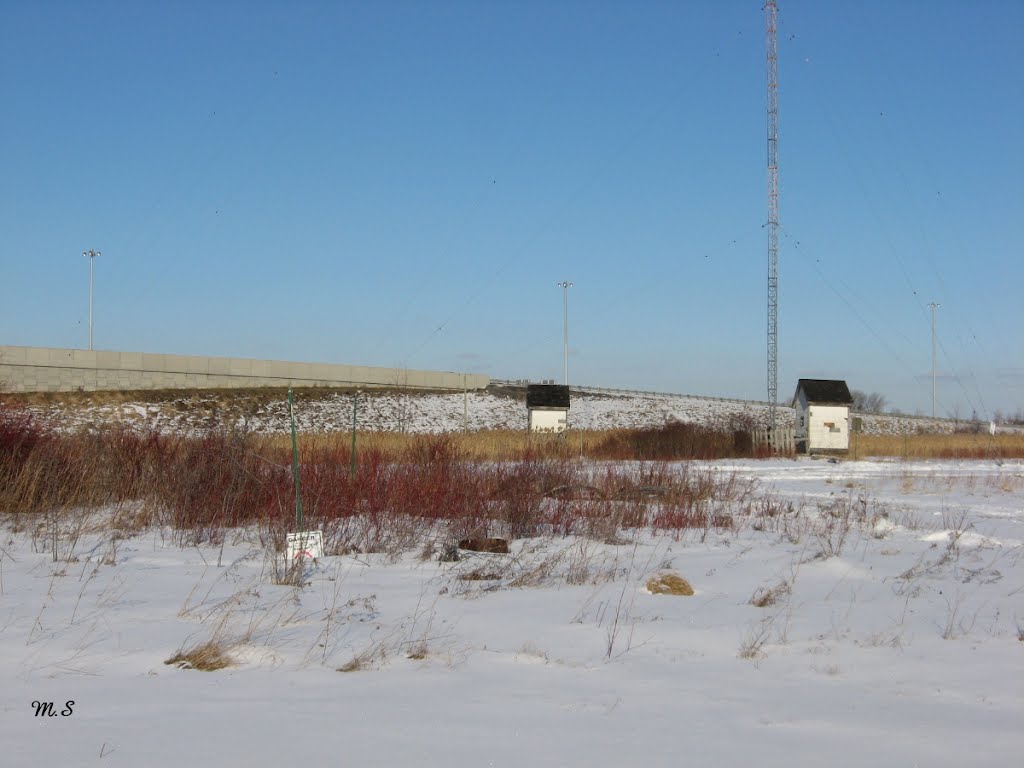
[868, 403]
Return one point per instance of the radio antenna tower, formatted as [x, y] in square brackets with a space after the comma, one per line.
[773, 215]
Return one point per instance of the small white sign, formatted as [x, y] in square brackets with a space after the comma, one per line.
[305, 544]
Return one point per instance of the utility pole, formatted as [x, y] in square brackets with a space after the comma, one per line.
[933, 306]
[91, 254]
[565, 285]
[773, 212]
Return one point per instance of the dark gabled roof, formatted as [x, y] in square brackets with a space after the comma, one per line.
[824, 391]
[547, 396]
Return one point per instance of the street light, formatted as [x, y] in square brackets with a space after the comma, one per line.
[565, 285]
[92, 255]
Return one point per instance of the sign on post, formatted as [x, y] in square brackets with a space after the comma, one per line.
[305, 545]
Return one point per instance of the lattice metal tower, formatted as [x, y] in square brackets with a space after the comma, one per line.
[773, 213]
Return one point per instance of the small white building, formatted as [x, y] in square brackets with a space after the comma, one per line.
[822, 416]
[548, 405]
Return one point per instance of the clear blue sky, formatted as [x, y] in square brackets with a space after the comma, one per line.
[404, 183]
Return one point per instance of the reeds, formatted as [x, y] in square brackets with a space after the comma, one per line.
[955, 446]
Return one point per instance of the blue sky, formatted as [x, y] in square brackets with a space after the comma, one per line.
[404, 183]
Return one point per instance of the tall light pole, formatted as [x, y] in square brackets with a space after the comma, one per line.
[933, 306]
[565, 285]
[91, 254]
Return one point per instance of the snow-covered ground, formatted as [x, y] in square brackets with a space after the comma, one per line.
[435, 412]
[896, 641]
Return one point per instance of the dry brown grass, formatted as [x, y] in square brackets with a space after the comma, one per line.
[763, 597]
[206, 657]
[671, 442]
[482, 573]
[669, 584]
[369, 658]
[490, 445]
[961, 446]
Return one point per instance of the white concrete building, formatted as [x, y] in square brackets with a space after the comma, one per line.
[822, 416]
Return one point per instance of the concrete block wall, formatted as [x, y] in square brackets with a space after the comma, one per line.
[49, 369]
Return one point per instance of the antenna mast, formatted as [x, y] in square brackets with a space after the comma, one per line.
[773, 214]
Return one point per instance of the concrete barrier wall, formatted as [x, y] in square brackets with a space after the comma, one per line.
[46, 369]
